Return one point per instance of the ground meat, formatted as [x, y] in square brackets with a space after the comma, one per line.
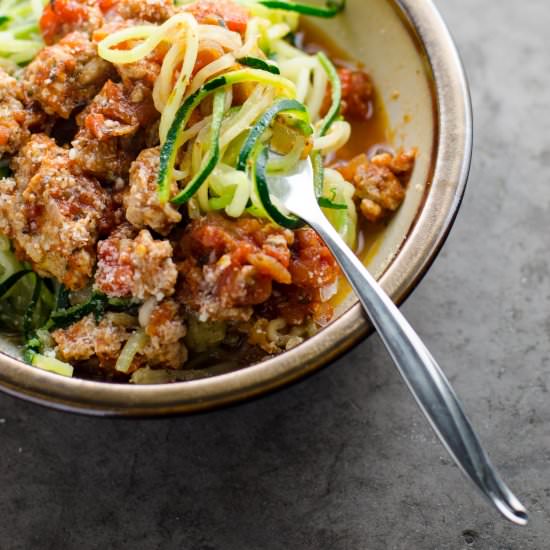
[27, 163]
[312, 267]
[226, 13]
[65, 76]
[53, 212]
[297, 304]
[103, 341]
[109, 139]
[37, 121]
[121, 14]
[166, 331]
[165, 324]
[229, 266]
[357, 95]
[145, 71]
[151, 11]
[141, 200]
[13, 115]
[61, 17]
[139, 267]
[76, 343]
[380, 183]
[89, 339]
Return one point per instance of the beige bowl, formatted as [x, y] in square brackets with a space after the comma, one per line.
[407, 48]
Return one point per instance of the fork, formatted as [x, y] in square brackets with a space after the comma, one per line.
[423, 376]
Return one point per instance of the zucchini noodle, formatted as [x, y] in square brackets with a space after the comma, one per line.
[285, 163]
[229, 40]
[292, 19]
[332, 7]
[254, 33]
[239, 106]
[317, 92]
[337, 137]
[25, 302]
[277, 32]
[135, 344]
[341, 191]
[173, 142]
[210, 158]
[20, 38]
[213, 69]
[260, 100]
[299, 71]
[187, 56]
[234, 186]
[203, 168]
[51, 364]
[152, 36]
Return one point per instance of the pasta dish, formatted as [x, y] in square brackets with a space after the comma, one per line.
[138, 238]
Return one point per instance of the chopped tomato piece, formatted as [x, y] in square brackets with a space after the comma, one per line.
[106, 5]
[58, 13]
[206, 56]
[4, 135]
[225, 12]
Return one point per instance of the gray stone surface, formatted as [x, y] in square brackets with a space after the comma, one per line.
[343, 460]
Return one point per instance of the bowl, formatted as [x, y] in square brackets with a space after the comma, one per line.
[407, 48]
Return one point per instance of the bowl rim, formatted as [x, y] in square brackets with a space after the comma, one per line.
[453, 150]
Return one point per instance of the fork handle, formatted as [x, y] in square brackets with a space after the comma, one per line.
[423, 376]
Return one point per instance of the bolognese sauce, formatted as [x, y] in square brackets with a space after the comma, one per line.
[142, 222]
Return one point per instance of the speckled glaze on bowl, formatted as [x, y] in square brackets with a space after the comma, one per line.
[406, 47]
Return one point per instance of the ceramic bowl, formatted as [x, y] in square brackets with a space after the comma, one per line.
[407, 49]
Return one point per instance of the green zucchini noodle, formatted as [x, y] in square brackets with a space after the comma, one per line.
[180, 121]
[178, 91]
[133, 346]
[20, 38]
[341, 192]
[25, 301]
[337, 137]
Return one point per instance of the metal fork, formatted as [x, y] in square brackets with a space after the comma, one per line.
[416, 365]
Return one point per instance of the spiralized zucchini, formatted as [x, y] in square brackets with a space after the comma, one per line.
[25, 302]
[220, 128]
[339, 191]
[331, 8]
[286, 87]
[20, 38]
[51, 364]
[135, 344]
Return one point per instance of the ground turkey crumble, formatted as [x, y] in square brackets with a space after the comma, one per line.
[13, 115]
[53, 213]
[139, 267]
[111, 132]
[141, 200]
[380, 182]
[66, 75]
[103, 341]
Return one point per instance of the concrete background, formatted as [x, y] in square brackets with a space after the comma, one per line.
[344, 460]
